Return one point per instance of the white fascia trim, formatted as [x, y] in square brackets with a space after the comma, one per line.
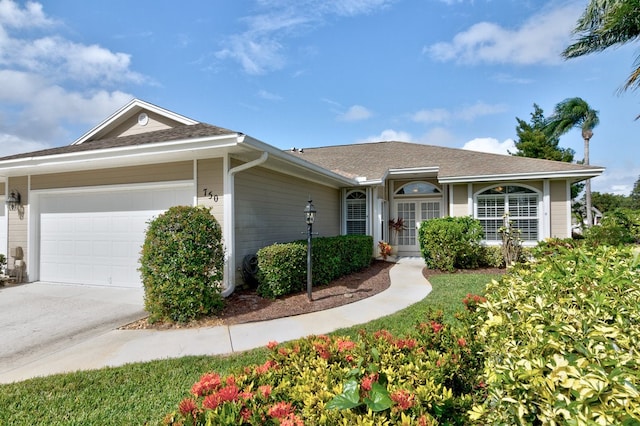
[431, 169]
[125, 151]
[132, 104]
[397, 172]
[590, 173]
[283, 155]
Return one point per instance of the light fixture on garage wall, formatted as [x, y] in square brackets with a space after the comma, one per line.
[13, 200]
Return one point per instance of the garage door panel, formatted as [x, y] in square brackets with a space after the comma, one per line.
[97, 238]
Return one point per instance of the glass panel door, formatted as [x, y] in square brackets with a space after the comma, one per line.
[407, 212]
[413, 213]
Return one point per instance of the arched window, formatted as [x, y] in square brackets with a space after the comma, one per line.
[520, 202]
[356, 212]
[418, 188]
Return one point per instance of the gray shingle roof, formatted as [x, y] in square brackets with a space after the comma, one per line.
[174, 134]
[373, 160]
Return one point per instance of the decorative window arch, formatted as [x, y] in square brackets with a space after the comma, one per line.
[520, 201]
[418, 188]
[356, 205]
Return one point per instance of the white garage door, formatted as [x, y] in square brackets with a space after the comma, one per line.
[96, 237]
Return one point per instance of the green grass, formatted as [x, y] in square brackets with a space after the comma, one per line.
[143, 393]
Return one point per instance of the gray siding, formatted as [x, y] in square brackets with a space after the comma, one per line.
[269, 209]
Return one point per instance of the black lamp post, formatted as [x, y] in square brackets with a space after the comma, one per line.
[310, 216]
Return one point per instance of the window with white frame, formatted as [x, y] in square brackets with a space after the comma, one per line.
[520, 202]
[418, 188]
[356, 212]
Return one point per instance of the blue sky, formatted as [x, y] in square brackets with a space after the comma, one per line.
[308, 73]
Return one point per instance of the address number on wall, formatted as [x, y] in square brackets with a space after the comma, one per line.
[210, 195]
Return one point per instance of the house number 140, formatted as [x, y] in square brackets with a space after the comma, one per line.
[210, 195]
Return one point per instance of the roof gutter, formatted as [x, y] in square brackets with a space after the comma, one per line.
[229, 219]
[35, 163]
[579, 174]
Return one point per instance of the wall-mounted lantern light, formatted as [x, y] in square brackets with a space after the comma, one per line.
[310, 217]
[13, 200]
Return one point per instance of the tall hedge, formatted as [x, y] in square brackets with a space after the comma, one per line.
[182, 265]
[282, 268]
[451, 242]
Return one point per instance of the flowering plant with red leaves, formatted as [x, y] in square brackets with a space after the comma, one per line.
[472, 301]
[429, 377]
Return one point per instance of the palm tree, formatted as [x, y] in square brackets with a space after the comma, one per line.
[570, 113]
[607, 23]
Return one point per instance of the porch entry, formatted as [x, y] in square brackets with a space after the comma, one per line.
[413, 213]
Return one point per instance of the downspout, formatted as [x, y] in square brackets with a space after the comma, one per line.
[229, 222]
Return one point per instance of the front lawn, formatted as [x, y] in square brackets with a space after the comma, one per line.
[143, 393]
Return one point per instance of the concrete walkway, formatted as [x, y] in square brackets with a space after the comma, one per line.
[119, 347]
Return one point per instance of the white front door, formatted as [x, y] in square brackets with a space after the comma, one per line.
[414, 212]
[96, 237]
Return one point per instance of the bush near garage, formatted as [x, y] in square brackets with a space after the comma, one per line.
[451, 243]
[282, 268]
[182, 265]
[562, 339]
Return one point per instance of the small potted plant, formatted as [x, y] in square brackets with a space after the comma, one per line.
[385, 249]
[396, 226]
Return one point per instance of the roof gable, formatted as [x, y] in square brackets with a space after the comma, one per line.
[136, 117]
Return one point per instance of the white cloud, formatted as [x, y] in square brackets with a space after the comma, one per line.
[479, 109]
[510, 79]
[11, 144]
[42, 80]
[355, 113]
[388, 135]
[540, 39]
[491, 145]
[466, 113]
[616, 180]
[256, 56]
[428, 116]
[269, 96]
[32, 16]
[438, 136]
[262, 46]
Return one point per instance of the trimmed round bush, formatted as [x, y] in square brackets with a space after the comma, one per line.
[451, 242]
[182, 265]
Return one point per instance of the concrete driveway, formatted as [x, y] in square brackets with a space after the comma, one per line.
[38, 319]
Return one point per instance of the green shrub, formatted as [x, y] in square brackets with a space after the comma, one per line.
[491, 257]
[426, 378]
[562, 339]
[618, 227]
[451, 242]
[282, 268]
[182, 265]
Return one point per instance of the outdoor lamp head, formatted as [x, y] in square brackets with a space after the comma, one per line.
[13, 200]
[310, 213]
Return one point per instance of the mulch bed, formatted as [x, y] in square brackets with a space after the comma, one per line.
[245, 306]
